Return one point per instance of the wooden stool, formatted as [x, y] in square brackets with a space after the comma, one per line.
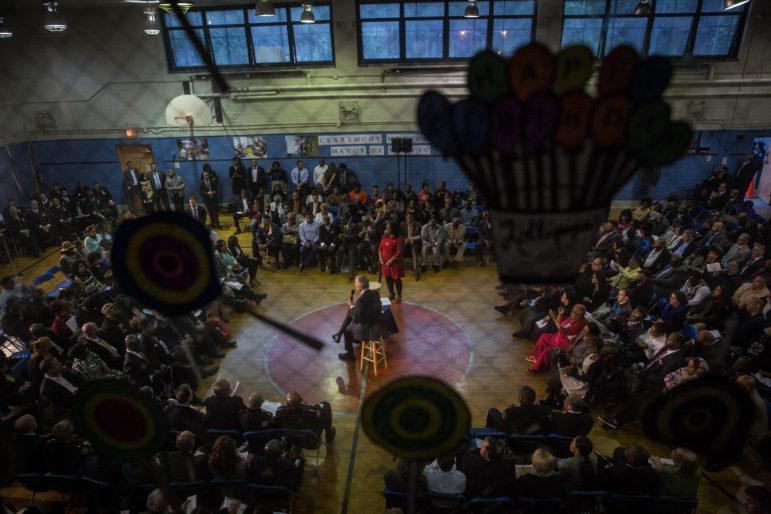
[373, 350]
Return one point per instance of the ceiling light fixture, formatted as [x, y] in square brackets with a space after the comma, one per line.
[472, 11]
[730, 4]
[643, 8]
[53, 21]
[5, 28]
[152, 28]
[184, 6]
[307, 15]
[264, 8]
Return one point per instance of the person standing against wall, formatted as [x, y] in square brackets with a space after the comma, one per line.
[237, 175]
[158, 181]
[175, 184]
[208, 191]
[131, 185]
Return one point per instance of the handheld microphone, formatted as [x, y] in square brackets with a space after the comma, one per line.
[353, 291]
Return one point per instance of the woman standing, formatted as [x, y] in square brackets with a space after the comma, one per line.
[147, 193]
[391, 253]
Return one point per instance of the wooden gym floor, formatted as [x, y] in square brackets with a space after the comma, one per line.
[448, 329]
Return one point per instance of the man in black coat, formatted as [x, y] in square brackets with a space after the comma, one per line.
[362, 319]
[131, 185]
[222, 408]
[488, 473]
[58, 387]
[573, 421]
[157, 180]
[183, 416]
[237, 175]
[528, 418]
[328, 244]
[296, 415]
[253, 418]
[630, 473]
[196, 210]
[257, 180]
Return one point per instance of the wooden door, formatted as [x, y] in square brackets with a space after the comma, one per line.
[142, 157]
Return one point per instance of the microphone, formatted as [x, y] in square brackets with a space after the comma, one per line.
[353, 291]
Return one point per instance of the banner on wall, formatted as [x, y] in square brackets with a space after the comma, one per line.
[300, 147]
[417, 139]
[250, 147]
[376, 150]
[193, 149]
[351, 139]
[416, 150]
[347, 151]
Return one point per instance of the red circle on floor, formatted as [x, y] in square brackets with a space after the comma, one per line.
[428, 343]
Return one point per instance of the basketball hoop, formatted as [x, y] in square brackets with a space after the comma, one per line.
[184, 121]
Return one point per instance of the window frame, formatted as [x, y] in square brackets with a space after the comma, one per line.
[403, 60]
[247, 27]
[695, 17]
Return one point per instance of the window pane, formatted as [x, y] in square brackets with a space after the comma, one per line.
[623, 6]
[320, 12]
[509, 34]
[459, 8]
[280, 16]
[675, 6]
[715, 34]
[582, 32]
[467, 37]
[194, 17]
[423, 39]
[232, 17]
[424, 10]
[229, 45]
[271, 44]
[380, 39]
[584, 7]
[312, 42]
[669, 35]
[182, 48]
[513, 7]
[378, 11]
[713, 6]
[625, 31]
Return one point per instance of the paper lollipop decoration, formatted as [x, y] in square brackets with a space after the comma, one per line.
[119, 420]
[165, 261]
[547, 157]
[416, 417]
[710, 415]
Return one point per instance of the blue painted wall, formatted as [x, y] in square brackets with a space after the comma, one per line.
[67, 161]
[15, 158]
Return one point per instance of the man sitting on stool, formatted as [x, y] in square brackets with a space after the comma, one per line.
[362, 316]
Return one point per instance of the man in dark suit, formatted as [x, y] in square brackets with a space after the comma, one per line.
[298, 416]
[183, 416]
[656, 257]
[670, 278]
[362, 319]
[208, 191]
[58, 387]
[237, 175]
[222, 408]
[195, 210]
[184, 465]
[528, 418]
[257, 180]
[27, 446]
[630, 473]
[755, 263]
[573, 421]
[253, 418]
[137, 368]
[131, 184]
[487, 472]
[328, 245]
[241, 209]
[158, 182]
[267, 237]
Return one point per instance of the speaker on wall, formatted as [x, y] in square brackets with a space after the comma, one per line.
[406, 144]
[401, 144]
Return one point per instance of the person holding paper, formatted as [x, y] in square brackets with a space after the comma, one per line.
[568, 329]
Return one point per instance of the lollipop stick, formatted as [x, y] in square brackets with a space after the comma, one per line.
[310, 341]
[412, 486]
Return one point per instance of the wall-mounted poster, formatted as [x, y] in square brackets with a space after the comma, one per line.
[193, 149]
[299, 147]
[250, 147]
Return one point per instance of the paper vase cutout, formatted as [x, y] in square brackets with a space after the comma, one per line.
[547, 157]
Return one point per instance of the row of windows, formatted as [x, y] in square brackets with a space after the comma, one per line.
[236, 38]
[432, 31]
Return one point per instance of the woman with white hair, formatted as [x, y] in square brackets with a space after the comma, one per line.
[681, 478]
[544, 482]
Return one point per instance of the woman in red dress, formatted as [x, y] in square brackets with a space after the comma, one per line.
[569, 328]
[391, 253]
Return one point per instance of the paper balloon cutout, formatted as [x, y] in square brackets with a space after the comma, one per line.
[416, 417]
[710, 415]
[547, 157]
[165, 261]
[119, 420]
